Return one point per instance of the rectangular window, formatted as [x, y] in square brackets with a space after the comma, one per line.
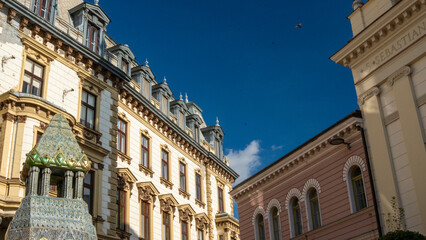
[92, 37]
[38, 137]
[121, 135]
[200, 234]
[165, 164]
[88, 109]
[88, 186]
[145, 88]
[145, 220]
[121, 207]
[182, 176]
[33, 78]
[145, 151]
[124, 66]
[198, 186]
[220, 198]
[43, 8]
[184, 230]
[166, 226]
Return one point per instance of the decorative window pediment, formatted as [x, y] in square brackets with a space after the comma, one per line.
[125, 179]
[186, 212]
[147, 191]
[168, 203]
[202, 221]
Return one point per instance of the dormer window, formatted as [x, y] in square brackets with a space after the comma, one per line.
[92, 37]
[124, 66]
[45, 9]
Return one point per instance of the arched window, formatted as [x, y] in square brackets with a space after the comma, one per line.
[357, 188]
[275, 220]
[313, 209]
[296, 217]
[260, 227]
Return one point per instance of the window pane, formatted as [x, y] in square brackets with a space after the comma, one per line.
[29, 65]
[36, 88]
[91, 100]
[38, 70]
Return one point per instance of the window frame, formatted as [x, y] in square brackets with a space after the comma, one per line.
[119, 133]
[312, 225]
[292, 217]
[198, 187]
[165, 227]
[275, 223]
[183, 175]
[220, 198]
[146, 216]
[91, 187]
[353, 188]
[184, 225]
[87, 105]
[50, 10]
[33, 77]
[89, 34]
[260, 227]
[146, 149]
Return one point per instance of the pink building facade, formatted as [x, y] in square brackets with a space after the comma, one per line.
[320, 190]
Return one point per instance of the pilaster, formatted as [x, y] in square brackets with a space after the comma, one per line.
[381, 159]
[209, 202]
[414, 139]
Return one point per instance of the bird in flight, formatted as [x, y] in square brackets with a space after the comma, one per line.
[298, 25]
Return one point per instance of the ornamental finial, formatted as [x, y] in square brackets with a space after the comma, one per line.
[357, 4]
[186, 98]
[217, 121]
[96, 2]
[165, 80]
[180, 96]
[146, 62]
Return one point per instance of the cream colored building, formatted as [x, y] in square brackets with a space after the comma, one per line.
[158, 170]
[388, 63]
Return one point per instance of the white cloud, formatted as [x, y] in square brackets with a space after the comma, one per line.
[274, 147]
[244, 161]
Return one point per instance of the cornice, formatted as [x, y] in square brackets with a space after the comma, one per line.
[376, 32]
[136, 102]
[294, 159]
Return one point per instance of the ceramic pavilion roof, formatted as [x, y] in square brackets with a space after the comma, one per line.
[57, 148]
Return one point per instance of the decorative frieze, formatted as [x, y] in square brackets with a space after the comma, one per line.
[168, 203]
[147, 192]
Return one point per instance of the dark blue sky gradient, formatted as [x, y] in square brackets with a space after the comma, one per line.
[245, 62]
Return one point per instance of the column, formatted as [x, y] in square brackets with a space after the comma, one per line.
[414, 140]
[68, 184]
[33, 180]
[378, 145]
[45, 181]
[78, 194]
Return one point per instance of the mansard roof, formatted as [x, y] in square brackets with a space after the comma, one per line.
[215, 128]
[95, 9]
[145, 69]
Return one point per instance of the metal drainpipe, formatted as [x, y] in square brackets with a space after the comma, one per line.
[379, 226]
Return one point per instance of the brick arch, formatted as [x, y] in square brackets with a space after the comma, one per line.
[294, 192]
[273, 203]
[354, 160]
[311, 183]
[257, 211]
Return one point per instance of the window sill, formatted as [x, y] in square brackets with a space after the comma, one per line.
[200, 203]
[90, 134]
[123, 234]
[166, 182]
[124, 157]
[147, 171]
[184, 193]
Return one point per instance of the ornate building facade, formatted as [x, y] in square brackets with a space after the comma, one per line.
[388, 62]
[158, 171]
[320, 190]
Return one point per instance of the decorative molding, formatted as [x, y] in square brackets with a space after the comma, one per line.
[186, 213]
[202, 221]
[257, 211]
[294, 192]
[391, 118]
[11, 15]
[166, 182]
[273, 203]
[402, 72]
[146, 171]
[354, 160]
[374, 91]
[308, 185]
[147, 191]
[125, 179]
[184, 194]
[168, 203]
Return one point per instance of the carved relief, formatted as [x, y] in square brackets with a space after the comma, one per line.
[167, 205]
[404, 71]
[146, 194]
[11, 15]
[124, 182]
[24, 23]
[374, 91]
[185, 215]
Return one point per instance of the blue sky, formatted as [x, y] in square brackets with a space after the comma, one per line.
[272, 86]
